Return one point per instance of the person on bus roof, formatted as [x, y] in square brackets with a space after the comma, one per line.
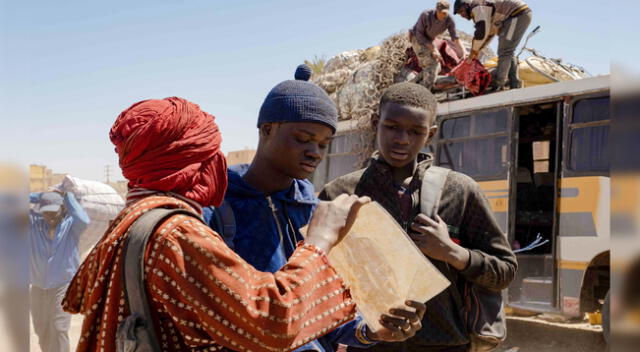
[270, 199]
[509, 19]
[431, 24]
[464, 241]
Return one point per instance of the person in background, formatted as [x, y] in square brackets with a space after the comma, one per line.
[271, 198]
[431, 24]
[56, 222]
[509, 19]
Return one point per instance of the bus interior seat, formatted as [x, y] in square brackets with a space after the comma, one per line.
[526, 199]
[524, 175]
[543, 179]
[544, 183]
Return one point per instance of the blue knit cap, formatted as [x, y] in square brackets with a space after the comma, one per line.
[299, 101]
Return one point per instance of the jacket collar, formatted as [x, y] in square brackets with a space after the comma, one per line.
[383, 169]
[301, 191]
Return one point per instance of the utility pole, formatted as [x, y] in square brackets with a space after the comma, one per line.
[107, 173]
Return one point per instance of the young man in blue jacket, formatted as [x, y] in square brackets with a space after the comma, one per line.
[270, 199]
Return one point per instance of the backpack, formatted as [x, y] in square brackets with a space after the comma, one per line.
[136, 333]
[482, 309]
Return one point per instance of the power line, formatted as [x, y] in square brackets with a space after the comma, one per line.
[107, 173]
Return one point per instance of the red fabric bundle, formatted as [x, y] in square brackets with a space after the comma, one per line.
[473, 76]
[171, 145]
[450, 58]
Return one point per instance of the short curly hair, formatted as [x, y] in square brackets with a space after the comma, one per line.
[411, 94]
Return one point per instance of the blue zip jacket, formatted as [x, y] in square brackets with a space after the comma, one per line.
[267, 230]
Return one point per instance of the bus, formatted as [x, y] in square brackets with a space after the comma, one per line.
[540, 155]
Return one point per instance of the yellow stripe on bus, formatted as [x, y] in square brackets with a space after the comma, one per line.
[497, 193]
[580, 195]
[571, 265]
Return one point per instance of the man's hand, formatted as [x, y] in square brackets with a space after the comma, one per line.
[434, 241]
[331, 221]
[472, 56]
[401, 324]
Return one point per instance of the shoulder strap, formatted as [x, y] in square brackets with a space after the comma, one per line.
[228, 220]
[223, 221]
[431, 190]
[134, 247]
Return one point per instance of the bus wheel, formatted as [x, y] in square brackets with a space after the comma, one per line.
[606, 318]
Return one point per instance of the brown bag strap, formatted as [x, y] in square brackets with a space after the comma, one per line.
[134, 247]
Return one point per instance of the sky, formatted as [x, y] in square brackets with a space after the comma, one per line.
[70, 67]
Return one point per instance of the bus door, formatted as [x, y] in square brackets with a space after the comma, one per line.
[533, 206]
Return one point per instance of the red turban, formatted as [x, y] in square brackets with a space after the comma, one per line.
[171, 145]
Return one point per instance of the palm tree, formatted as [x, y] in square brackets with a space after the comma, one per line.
[316, 64]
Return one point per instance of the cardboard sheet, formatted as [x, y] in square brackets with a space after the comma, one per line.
[382, 265]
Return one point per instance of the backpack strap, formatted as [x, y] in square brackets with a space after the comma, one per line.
[134, 248]
[481, 310]
[431, 190]
[222, 220]
[228, 221]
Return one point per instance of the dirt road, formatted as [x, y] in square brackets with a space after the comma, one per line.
[74, 334]
[525, 335]
[535, 335]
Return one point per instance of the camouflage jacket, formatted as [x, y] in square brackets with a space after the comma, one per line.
[465, 209]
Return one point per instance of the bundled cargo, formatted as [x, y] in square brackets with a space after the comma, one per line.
[101, 202]
[356, 79]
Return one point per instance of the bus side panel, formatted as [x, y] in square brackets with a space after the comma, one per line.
[584, 230]
[497, 193]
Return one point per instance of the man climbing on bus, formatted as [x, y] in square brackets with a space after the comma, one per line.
[509, 19]
[463, 239]
[431, 24]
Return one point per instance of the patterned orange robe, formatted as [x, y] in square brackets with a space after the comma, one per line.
[203, 295]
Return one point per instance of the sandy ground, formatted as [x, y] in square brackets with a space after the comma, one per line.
[525, 335]
[74, 334]
[534, 335]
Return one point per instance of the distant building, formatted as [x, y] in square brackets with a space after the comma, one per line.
[120, 187]
[240, 157]
[39, 178]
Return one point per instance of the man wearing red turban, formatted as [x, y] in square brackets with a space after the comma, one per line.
[201, 293]
[171, 145]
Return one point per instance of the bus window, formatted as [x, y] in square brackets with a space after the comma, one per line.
[589, 136]
[591, 110]
[456, 128]
[476, 157]
[475, 145]
[589, 149]
[342, 157]
[491, 122]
